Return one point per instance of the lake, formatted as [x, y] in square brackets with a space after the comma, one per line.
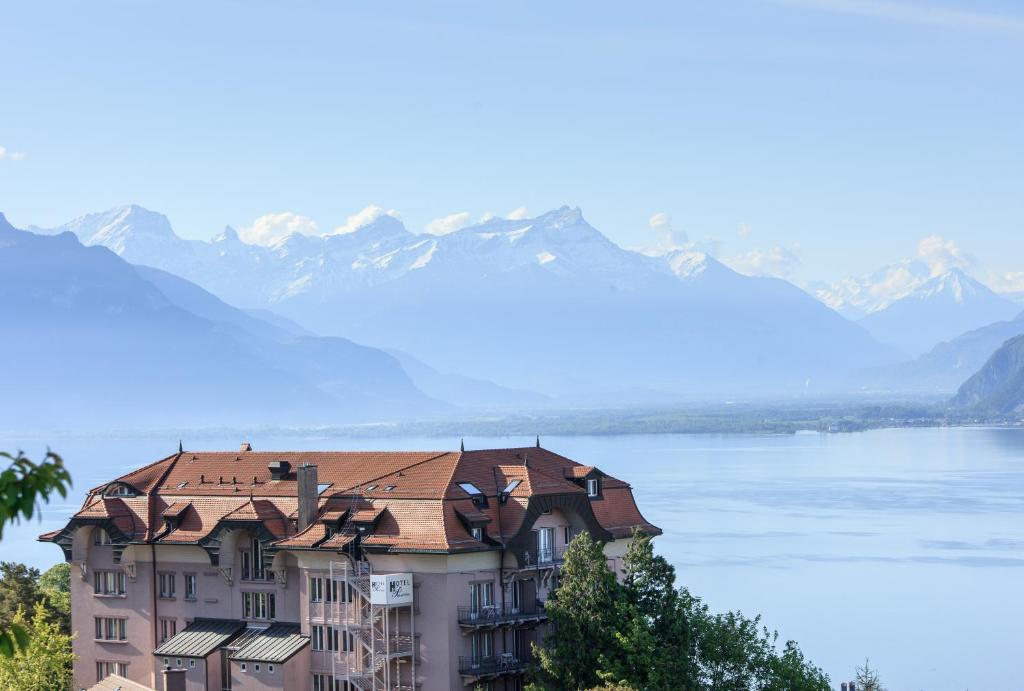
[905, 546]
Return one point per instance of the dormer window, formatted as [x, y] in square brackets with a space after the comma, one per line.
[593, 487]
[477, 533]
[118, 489]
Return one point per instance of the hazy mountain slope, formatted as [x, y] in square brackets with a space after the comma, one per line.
[468, 392]
[999, 385]
[548, 304]
[333, 364]
[96, 344]
[947, 365]
[939, 310]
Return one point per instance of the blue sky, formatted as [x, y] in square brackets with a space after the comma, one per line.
[839, 132]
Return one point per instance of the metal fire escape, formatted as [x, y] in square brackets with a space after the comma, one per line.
[373, 649]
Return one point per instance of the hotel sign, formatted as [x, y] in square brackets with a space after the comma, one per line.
[391, 589]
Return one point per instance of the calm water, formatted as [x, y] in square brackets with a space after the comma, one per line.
[905, 546]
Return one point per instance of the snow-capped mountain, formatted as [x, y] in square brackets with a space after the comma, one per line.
[858, 296]
[546, 303]
[102, 342]
[941, 308]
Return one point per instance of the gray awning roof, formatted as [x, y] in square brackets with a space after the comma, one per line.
[274, 644]
[200, 638]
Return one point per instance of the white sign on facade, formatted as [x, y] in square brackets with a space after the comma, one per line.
[391, 589]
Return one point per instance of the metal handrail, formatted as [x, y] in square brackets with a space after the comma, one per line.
[498, 614]
[492, 664]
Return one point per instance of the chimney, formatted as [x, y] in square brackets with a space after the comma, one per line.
[844, 687]
[174, 679]
[308, 495]
[245, 446]
[279, 469]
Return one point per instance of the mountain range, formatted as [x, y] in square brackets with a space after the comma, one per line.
[998, 387]
[546, 305]
[99, 341]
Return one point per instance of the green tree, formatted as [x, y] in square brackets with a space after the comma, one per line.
[19, 590]
[655, 646]
[583, 614]
[867, 678]
[23, 485]
[44, 663]
[736, 653]
[55, 587]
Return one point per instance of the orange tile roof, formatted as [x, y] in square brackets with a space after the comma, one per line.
[413, 495]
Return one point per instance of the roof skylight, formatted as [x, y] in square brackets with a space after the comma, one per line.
[470, 488]
[370, 488]
[511, 486]
[389, 488]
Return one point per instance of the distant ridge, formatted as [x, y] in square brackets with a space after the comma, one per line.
[998, 387]
[546, 304]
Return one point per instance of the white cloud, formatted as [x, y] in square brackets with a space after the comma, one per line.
[361, 218]
[941, 255]
[744, 229]
[268, 229]
[1007, 282]
[776, 261]
[668, 239]
[7, 154]
[517, 214]
[488, 216]
[449, 224]
[919, 13]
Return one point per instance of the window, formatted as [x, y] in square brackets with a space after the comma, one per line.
[190, 586]
[316, 589]
[101, 537]
[111, 629]
[243, 666]
[482, 646]
[167, 585]
[510, 487]
[371, 488]
[514, 591]
[270, 669]
[593, 487]
[470, 488]
[256, 667]
[259, 606]
[177, 663]
[545, 545]
[108, 582]
[192, 663]
[118, 490]
[568, 534]
[104, 669]
[333, 587]
[481, 595]
[252, 563]
[325, 682]
[389, 488]
[477, 533]
[168, 629]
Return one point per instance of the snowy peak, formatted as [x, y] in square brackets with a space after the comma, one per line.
[938, 310]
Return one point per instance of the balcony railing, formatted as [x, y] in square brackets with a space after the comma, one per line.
[498, 615]
[541, 558]
[493, 665]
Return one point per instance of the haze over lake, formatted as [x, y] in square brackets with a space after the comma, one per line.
[903, 545]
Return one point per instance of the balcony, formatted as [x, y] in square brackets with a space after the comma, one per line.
[548, 557]
[477, 668]
[497, 616]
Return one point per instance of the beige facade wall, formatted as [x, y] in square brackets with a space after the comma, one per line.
[441, 585]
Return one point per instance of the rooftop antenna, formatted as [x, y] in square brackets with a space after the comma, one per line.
[462, 445]
[538, 441]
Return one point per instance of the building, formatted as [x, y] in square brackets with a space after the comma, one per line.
[330, 570]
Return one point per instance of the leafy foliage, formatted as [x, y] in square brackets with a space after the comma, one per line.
[867, 678]
[583, 612]
[42, 660]
[22, 486]
[646, 635]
